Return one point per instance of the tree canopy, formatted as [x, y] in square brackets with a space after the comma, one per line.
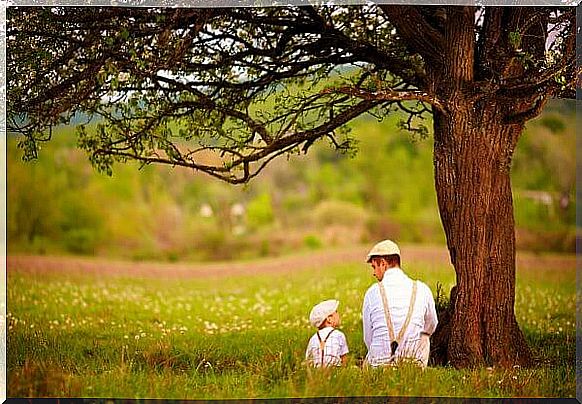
[226, 90]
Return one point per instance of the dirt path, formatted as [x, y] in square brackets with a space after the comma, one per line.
[99, 267]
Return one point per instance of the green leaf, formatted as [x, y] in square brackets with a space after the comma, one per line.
[515, 39]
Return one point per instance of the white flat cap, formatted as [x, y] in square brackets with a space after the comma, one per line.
[386, 247]
[321, 310]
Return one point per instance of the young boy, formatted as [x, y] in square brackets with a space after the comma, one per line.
[328, 346]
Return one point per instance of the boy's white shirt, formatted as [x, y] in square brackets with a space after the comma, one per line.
[335, 346]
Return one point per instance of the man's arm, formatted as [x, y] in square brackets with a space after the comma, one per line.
[430, 316]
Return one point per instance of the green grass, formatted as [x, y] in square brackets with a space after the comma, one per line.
[245, 336]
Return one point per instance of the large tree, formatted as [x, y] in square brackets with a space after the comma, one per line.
[224, 91]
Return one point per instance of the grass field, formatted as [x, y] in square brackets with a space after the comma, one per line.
[244, 335]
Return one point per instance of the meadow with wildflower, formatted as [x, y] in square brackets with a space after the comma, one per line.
[244, 335]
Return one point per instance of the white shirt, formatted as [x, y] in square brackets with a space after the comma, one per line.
[398, 288]
[335, 347]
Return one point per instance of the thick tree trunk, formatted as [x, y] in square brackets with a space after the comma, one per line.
[473, 148]
[472, 156]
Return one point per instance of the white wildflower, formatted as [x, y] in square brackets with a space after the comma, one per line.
[123, 76]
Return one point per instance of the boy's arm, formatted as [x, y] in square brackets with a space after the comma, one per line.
[343, 348]
[308, 355]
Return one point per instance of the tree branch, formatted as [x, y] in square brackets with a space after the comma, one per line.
[528, 114]
[390, 95]
[226, 170]
[418, 34]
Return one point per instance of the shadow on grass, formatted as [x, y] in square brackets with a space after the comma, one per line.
[552, 349]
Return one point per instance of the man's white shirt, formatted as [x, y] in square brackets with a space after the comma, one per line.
[398, 288]
[335, 346]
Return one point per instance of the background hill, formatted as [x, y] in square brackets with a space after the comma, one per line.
[59, 204]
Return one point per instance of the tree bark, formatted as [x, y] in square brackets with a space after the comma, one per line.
[472, 157]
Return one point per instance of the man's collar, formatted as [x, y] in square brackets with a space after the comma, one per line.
[392, 272]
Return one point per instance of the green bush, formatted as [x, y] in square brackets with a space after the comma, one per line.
[260, 211]
[211, 243]
[334, 212]
[379, 227]
[549, 240]
[553, 123]
[81, 240]
[312, 242]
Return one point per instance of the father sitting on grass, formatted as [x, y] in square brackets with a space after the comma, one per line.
[398, 313]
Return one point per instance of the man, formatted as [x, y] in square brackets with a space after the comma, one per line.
[397, 325]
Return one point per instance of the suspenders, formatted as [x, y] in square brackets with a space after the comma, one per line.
[396, 341]
[322, 344]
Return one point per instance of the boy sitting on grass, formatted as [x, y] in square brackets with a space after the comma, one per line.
[328, 346]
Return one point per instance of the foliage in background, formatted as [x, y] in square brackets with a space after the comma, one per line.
[58, 203]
